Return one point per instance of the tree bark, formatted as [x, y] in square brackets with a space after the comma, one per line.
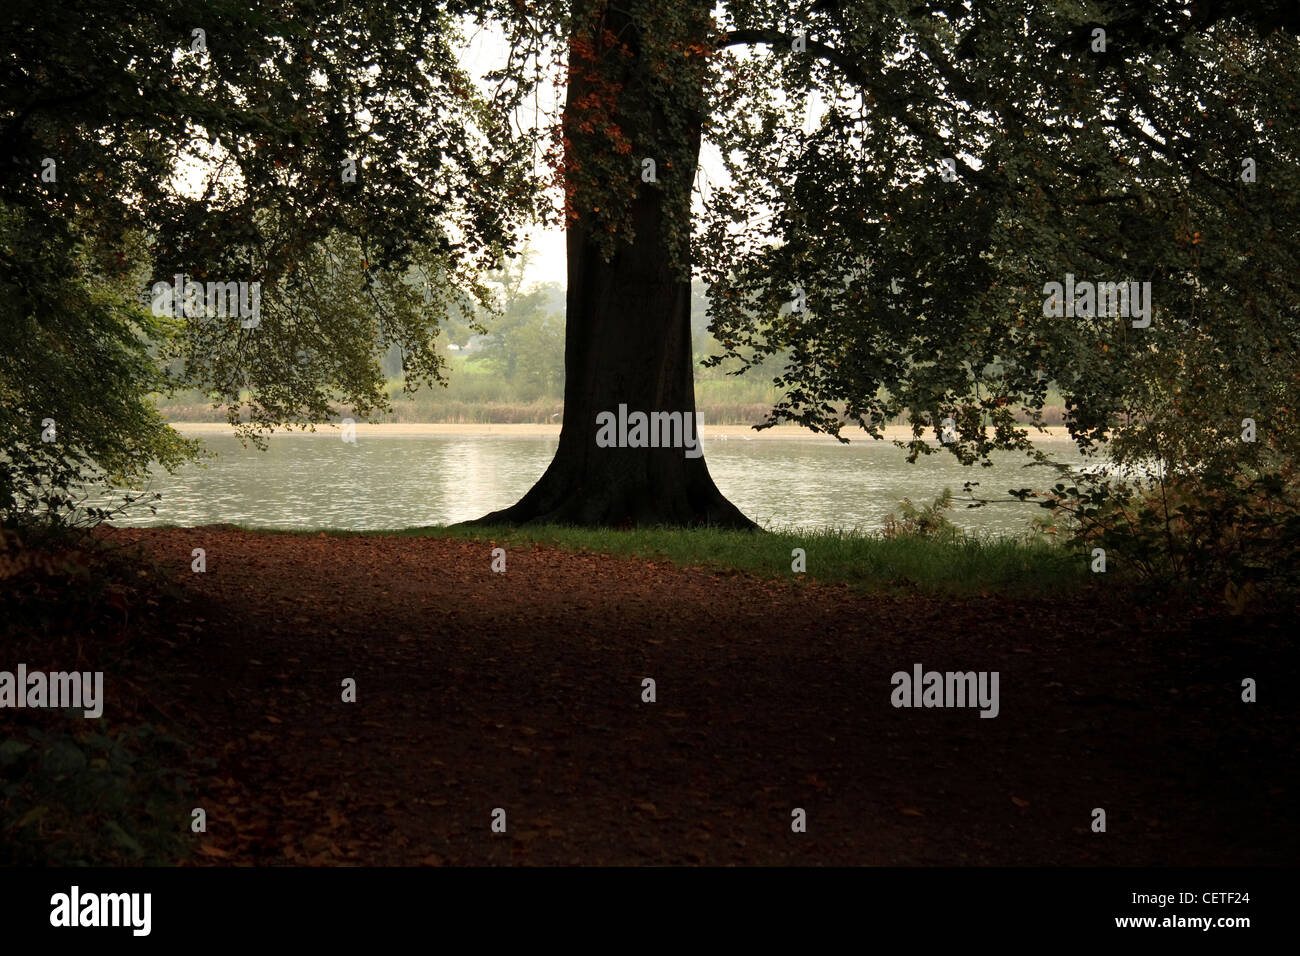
[628, 342]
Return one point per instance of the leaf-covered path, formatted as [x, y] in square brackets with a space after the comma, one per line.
[477, 690]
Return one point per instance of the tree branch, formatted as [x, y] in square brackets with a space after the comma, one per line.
[853, 71]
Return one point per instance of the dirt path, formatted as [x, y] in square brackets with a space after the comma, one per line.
[523, 691]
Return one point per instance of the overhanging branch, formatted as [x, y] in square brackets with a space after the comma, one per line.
[853, 71]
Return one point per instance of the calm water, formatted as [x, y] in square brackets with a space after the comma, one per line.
[307, 481]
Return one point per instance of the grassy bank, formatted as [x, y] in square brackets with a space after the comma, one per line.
[962, 567]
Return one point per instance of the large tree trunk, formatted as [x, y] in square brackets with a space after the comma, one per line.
[628, 342]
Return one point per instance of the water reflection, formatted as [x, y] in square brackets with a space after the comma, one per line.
[309, 481]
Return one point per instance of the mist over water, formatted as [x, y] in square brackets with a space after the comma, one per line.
[388, 482]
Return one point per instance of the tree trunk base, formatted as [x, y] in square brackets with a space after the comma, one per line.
[560, 497]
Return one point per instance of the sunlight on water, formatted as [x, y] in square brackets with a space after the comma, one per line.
[318, 481]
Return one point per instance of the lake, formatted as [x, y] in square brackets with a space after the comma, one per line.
[387, 481]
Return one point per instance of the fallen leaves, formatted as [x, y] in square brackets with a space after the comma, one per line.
[772, 700]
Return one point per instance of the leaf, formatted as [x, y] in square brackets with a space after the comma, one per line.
[10, 750]
[124, 838]
[207, 849]
[1019, 802]
[33, 815]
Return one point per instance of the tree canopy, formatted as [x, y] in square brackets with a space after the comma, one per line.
[333, 153]
[1148, 145]
[903, 184]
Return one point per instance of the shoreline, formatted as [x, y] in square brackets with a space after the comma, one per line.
[1052, 433]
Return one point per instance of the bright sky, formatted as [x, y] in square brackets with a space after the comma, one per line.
[487, 51]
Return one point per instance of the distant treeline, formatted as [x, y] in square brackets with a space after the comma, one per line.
[514, 374]
[427, 408]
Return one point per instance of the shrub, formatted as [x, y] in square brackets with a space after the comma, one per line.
[927, 521]
[91, 799]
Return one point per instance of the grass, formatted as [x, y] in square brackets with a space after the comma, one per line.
[921, 552]
[963, 566]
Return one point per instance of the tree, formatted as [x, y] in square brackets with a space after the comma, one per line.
[76, 370]
[905, 180]
[329, 160]
[526, 344]
[958, 159]
[635, 92]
